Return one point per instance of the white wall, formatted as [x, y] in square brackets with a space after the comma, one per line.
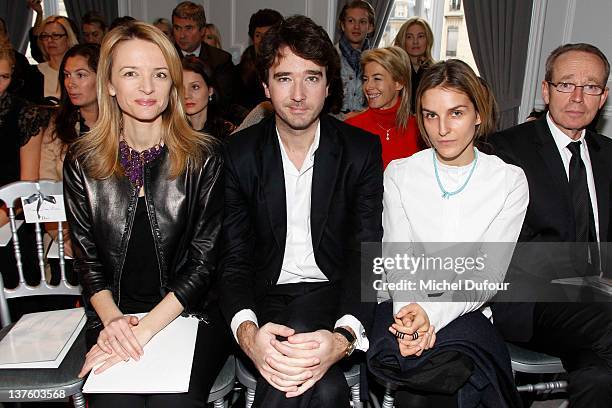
[563, 21]
[232, 16]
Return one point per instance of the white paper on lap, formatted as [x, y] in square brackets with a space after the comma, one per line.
[164, 368]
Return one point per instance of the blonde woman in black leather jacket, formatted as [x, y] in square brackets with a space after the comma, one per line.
[144, 199]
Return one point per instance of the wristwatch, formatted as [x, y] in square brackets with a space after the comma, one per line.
[352, 340]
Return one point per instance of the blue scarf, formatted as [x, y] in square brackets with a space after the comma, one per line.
[353, 56]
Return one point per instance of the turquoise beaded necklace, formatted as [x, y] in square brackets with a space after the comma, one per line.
[448, 194]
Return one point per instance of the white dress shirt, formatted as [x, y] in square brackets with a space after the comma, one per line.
[299, 265]
[490, 209]
[562, 140]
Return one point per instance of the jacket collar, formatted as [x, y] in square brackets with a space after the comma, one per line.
[326, 165]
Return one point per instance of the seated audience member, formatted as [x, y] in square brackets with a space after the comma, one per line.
[22, 65]
[356, 21]
[386, 85]
[569, 173]
[252, 92]
[165, 26]
[200, 100]
[212, 36]
[188, 25]
[416, 38]
[21, 126]
[55, 38]
[76, 114]
[93, 27]
[77, 111]
[35, 50]
[286, 274]
[138, 249]
[450, 193]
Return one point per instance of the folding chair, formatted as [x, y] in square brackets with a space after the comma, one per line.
[224, 384]
[532, 362]
[25, 385]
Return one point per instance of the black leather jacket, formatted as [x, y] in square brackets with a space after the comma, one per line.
[185, 215]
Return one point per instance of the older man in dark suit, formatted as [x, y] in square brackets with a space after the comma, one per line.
[188, 26]
[569, 171]
[303, 191]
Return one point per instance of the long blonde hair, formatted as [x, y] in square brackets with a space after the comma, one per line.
[397, 63]
[400, 38]
[99, 147]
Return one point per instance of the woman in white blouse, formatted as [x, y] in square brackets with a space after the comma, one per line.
[449, 193]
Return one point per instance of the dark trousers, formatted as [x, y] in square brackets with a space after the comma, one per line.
[581, 335]
[305, 307]
[212, 348]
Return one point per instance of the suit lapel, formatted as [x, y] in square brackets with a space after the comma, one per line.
[549, 153]
[273, 180]
[326, 166]
[602, 182]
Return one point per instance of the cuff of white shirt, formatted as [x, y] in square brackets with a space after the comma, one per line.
[347, 320]
[442, 313]
[241, 317]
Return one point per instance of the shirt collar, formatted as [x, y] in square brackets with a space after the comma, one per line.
[313, 147]
[195, 52]
[561, 139]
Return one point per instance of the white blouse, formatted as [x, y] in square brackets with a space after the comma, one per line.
[490, 209]
[51, 83]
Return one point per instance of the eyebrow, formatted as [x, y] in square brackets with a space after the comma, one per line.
[449, 109]
[79, 69]
[134, 67]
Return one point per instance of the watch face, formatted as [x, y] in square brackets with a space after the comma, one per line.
[351, 348]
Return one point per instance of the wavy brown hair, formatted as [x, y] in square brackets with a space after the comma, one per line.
[98, 149]
[456, 75]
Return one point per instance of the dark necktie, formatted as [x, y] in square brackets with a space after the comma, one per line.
[190, 55]
[583, 211]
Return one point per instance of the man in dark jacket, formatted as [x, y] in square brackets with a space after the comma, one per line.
[302, 192]
[188, 26]
[566, 227]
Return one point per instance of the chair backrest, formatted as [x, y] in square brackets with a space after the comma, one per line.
[39, 192]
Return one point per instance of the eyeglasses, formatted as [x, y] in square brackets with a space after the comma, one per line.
[55, 36]
[568, 87]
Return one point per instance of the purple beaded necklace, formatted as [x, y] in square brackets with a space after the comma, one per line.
[133, 162]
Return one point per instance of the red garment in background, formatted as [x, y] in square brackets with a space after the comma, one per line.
[400, 144]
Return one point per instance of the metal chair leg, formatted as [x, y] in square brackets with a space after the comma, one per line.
[250, 397]
[355, 396]
[389, 400]
[79, 400]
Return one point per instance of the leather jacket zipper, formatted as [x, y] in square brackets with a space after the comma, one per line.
[133, 204]
[155, 238]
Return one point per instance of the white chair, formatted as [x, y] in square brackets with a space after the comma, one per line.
[24, 385]
[224, 384]
[532, 362]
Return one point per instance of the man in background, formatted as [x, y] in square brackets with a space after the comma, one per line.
[188, 26]
[356, 21]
